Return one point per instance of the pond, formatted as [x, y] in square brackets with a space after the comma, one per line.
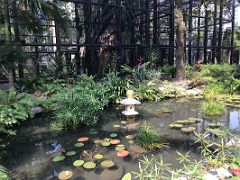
[30, 154]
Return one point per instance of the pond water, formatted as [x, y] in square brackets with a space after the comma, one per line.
[30, 154]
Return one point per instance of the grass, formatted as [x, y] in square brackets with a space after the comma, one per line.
[149, 139]
[3, 173]
[213, 108]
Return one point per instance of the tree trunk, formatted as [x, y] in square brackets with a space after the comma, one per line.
[180, 32]
[7, 40]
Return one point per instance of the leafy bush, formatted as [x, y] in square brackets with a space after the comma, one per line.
[81, 104]
[214, 92]
[213, 108]
[148, 91]
[189, 71]
[115, 85]
[14, 108]
[217, 70]
[168, 71]
[149, 138]
[3, 173]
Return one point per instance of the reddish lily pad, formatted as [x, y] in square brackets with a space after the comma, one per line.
[122, 153]
[115, 141]
[83, 139]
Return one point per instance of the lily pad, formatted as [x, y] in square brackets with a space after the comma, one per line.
[113, 135]
[175, 125]
[122, 153]
[127, 176]
[188, 129]
[123, 122]
[83, 139]
[98, 141]
[79, 145]
[186, 121]
[107, 163]
[71, 153]
[89, 165]
[98, 156]
[116, 126]
[58, 158]
[78, 163]
[115, 141]
[130, 141]
[195, 119]
[119, 148]
[105, 143]
[129, 137]
[214, 125]
[64, 175]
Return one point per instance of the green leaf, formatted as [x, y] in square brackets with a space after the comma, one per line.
[127, 176]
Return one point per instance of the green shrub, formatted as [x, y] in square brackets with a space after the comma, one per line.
[115, 85]
[214, 92]
[148, 91]
[189, 70]
[3, 173]
[149, 138]
[14, 108]
[213, 108]
[217, 70]
[168, 70]
[81, 104]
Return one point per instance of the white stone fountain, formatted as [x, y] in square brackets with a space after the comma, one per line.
[130, 104]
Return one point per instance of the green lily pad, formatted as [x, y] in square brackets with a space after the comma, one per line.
[98, 156]
[78, 163]
[107, 163]
[105, 143]
[195, 119]
[113, 135]
[119, 148]
[175, 125]
[186, 121]
[188, 129]
[89, 165]
[71, 153]
[214, 125]
[58, 158]
[79, 145]
[129, 137]
[127, 176]
[116, 126]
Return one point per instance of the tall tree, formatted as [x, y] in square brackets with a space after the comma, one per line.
[180, 34]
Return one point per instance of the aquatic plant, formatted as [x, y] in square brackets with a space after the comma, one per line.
[78, 163]
[89, 165]
[65, 175]
[213, 108]
[107, 163]
[82, 104]
[3, 173]
[149, 138]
